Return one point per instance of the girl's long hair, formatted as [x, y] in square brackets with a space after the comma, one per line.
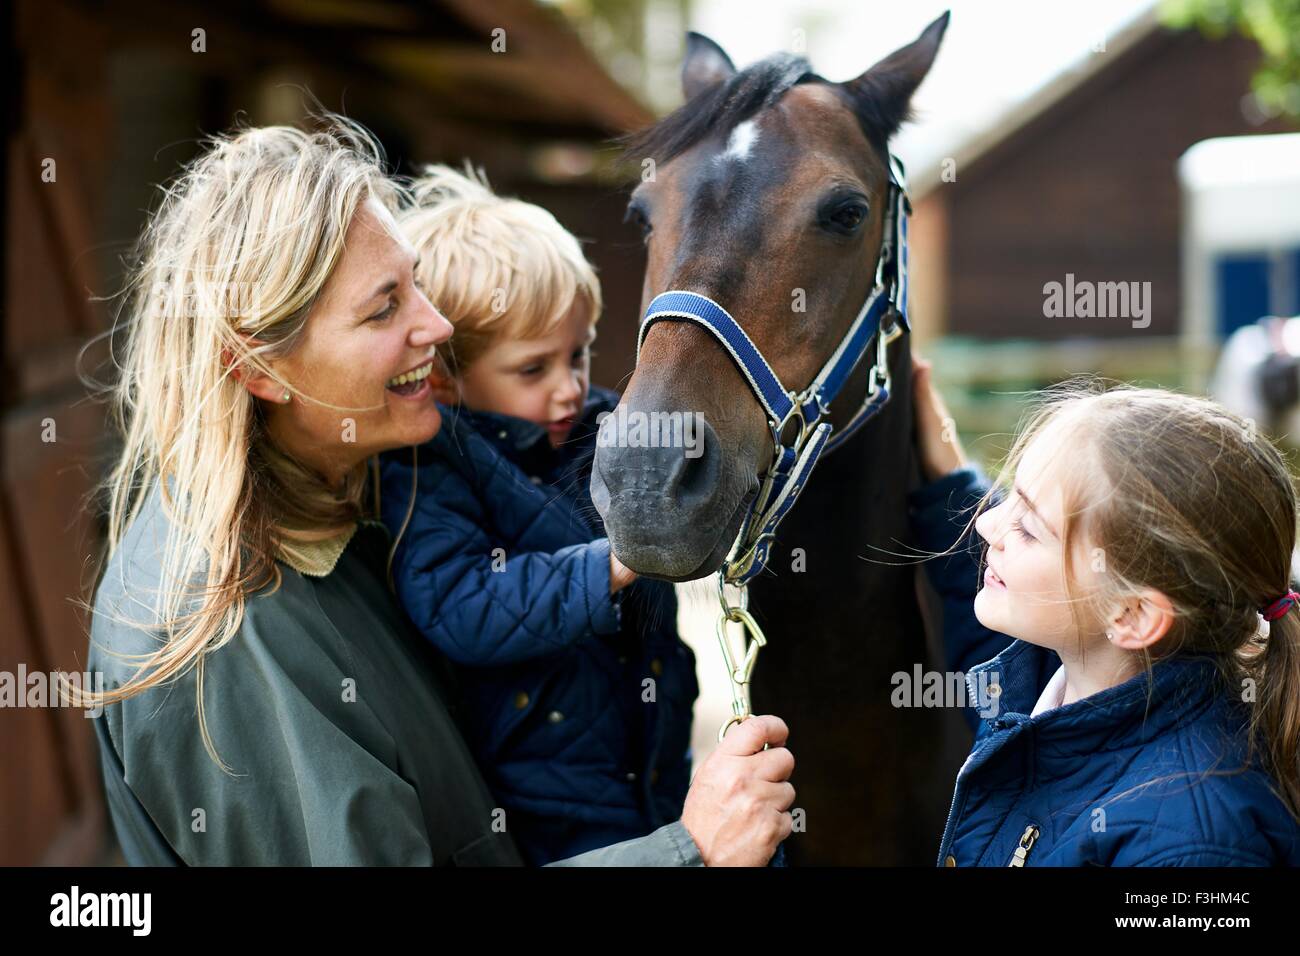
[1176, 493]
[225, 274]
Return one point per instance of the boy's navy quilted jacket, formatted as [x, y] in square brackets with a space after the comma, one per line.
[1140, 774]
[576, 703]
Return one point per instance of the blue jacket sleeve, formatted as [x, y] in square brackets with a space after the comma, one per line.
[940, 512]
[474, 598]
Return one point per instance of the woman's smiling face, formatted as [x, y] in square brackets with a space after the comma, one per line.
[366, 346]
[1024, 593]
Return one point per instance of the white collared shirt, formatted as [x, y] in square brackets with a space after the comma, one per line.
[1053, 694]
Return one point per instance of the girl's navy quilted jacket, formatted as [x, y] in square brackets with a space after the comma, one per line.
[1146, 773]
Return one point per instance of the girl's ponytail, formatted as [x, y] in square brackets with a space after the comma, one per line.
[1275, 722]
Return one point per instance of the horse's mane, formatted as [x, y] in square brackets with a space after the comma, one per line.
[721, 108]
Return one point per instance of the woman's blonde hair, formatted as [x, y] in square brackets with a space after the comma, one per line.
[496, 267]
[225, 274]
[1172, 492]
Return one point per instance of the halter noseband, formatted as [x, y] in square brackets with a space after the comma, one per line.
[883, 317]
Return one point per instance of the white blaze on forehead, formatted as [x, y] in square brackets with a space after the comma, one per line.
[741, 142]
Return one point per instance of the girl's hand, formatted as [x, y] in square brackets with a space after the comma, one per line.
[620, 575]
[936, 432]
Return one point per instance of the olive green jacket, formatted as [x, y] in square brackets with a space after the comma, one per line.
[333, 715]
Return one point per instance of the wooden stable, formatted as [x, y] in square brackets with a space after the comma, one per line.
[1081, 179]
[103, 107]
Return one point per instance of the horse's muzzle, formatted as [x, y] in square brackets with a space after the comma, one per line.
[670, 512]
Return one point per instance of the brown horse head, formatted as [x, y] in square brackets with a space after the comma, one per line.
[766, 192]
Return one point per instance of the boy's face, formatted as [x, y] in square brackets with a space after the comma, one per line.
[543, 380]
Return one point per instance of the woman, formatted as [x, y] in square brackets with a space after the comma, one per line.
[268, 703]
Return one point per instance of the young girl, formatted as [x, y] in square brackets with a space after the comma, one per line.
[576, 689]
[1147, 710]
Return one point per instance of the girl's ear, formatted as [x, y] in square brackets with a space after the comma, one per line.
[1143, 621]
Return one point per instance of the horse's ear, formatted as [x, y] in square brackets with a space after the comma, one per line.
[706, 65]
[884, 92]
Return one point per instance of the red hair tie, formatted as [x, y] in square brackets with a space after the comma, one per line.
[1281, 606]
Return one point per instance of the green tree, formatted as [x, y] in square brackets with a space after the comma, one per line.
[1273, 24]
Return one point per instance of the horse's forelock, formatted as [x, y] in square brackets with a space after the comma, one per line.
[720, 109]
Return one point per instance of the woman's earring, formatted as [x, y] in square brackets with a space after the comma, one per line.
[1110, 636]
[285, 396]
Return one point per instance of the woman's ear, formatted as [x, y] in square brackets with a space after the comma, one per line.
[1142, 621]
[258, 383]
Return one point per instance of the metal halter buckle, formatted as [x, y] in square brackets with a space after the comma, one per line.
[778, 430]
[880, 375]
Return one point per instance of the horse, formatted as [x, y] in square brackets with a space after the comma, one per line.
[766, 191]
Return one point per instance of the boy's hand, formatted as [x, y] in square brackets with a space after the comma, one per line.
[620, 575]
[936, 432]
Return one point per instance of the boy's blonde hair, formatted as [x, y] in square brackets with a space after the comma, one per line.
[1173, 492]
[497, 268]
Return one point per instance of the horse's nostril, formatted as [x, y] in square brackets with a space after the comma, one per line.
[695, 474]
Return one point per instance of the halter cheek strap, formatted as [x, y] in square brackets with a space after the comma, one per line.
[882, 319]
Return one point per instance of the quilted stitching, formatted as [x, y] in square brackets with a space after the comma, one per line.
[533, 630]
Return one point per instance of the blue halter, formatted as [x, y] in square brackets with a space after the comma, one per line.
[882, 317]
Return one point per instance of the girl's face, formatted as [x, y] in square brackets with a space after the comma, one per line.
[370, 326]
[1024, 592]
[542, 380]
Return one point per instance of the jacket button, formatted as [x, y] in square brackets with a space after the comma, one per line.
[950, 861]
[521, 700]
[503, 434]
[631, 777]
[555, 716]
[994, 690]
[657, 667]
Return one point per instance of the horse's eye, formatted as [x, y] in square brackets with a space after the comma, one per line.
[637, 215]
[848, 217]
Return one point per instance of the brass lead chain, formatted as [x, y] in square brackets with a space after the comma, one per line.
[752, 639]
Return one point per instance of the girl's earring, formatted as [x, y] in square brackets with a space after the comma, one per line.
[1110, 636]
[285, 396]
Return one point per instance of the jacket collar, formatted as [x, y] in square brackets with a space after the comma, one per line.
[1178, 690]
[318, 559]
[315, 558]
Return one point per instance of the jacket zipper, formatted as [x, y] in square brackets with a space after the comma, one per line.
[1027, 841]
[956, 791]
